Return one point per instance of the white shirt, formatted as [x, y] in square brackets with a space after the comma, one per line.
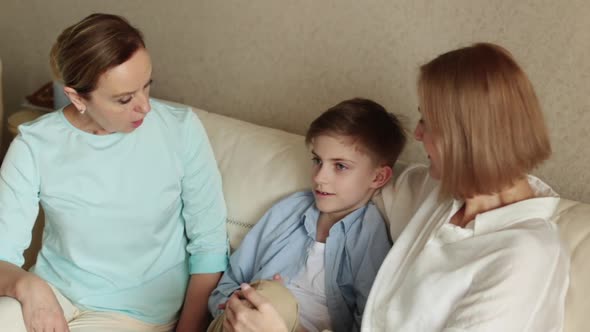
[309, 288]
[505, 271]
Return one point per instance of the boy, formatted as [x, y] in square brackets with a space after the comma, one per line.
[327, 243]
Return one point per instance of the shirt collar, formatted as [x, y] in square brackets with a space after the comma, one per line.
[312, 214]
[542, 206]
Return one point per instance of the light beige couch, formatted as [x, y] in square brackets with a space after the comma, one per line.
[259, 165]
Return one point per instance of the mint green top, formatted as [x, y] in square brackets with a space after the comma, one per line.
[127, 216]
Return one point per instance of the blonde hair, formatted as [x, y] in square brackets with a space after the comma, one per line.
[87, 49]
[486, 118]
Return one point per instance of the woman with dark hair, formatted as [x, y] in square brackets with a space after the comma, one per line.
[476, 248]
[134, 210]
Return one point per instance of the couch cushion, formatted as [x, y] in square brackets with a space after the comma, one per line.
[259, 165]
[574, 227]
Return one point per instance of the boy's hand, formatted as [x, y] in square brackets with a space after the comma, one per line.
[239, 295]
[277, 277]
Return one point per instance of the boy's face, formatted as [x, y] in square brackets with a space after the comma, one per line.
[344, 177]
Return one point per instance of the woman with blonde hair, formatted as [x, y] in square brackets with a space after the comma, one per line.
[476, 248]
[134, 210]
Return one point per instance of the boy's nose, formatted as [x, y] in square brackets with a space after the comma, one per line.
[320, 176]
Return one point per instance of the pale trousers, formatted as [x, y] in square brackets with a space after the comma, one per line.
[11, 319]
[281, 299]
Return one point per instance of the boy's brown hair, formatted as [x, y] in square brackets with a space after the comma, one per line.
[378, 132]
[486, 118]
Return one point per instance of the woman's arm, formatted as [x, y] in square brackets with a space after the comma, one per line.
[11, 280]
[204, 213]
[19, 205]
[194, 315]
[41, 311]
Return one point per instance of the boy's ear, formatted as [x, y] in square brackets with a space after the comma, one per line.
[384, 173]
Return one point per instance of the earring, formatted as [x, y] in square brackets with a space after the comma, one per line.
[82, 110]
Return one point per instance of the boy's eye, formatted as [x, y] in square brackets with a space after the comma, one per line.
[125, 100]
[316, 161]
[341, 166]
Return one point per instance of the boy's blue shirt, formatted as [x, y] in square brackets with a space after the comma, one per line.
[355, 249]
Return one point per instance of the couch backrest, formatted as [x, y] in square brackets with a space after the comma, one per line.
[574, 226]
[1, 110]
[259, 165]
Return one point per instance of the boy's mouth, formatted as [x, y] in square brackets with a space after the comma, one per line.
[322, 193]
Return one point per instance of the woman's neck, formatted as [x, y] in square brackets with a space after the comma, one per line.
[83, 121]
[473, 206]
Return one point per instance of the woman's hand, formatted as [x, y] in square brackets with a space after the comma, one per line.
[276, 277]
[41, 310]
[255, 314]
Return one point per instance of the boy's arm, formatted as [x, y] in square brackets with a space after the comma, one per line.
[377, 248]
[247, 261]
[242, 264]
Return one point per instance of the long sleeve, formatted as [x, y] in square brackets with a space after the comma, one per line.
[378, 247]
[512, 297]
[204, 208]
[274, 245]
[242, 264]
[19, 201]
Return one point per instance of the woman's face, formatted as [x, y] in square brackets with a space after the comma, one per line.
[121, 99]
[423, 134]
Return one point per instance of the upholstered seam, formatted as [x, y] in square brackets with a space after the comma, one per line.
[239, 223]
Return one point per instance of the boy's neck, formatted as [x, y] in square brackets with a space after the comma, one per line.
[324, 224]
[327, 220]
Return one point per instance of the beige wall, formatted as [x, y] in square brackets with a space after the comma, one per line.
[280, 63]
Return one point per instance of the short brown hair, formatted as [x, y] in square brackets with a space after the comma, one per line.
[87, 49]
[368, 123]
[483, 111]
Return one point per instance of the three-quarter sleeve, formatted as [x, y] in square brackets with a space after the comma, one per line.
[19, 201]
[204, 209]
